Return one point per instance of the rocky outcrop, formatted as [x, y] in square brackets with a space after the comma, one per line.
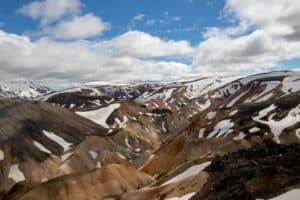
[260, 172]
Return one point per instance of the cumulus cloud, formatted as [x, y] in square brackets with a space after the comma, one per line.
[254, 51]
[141, 44]
[266, 34]
[63, 19]
[49, 11]
[73, 58]
[72, 61]
[262, 35]
[78, 28]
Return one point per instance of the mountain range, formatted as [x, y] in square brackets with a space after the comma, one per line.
[206, 138]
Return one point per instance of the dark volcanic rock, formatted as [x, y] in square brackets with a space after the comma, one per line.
[260, 172]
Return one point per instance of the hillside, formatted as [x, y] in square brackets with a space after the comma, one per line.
[209, 138]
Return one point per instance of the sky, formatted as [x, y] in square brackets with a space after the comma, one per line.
[72, 41]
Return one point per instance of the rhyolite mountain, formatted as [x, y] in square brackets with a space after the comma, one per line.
[208, 138]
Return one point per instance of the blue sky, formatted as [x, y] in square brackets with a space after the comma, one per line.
[183, 20]
[79, 40]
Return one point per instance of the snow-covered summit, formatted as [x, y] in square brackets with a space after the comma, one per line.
[22, 89]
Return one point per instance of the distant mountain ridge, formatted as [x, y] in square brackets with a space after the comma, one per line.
[22, 89]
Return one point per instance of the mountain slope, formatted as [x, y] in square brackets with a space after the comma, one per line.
[162, 135]
[109, 180]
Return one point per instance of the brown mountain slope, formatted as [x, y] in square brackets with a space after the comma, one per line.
[107, 181]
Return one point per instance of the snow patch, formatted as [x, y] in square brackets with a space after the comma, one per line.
[254, 130]
[123, 123]
[233, 113]
[65, 156]
[227, 90]
[200, 87]
[151, 157]
[203, 106]
[240, 136]
[168, 93]
[16, 174]
[201, 133]
[221, 128]
[298, 133]
[98, 165]
[41, 147]
[101, 115]
[2, 155]
[249, 79]
[291, 84]
[290, 195]
[236, 99]
[265, 98]
[59, 140]
[93, 154]
[265, 111]
[121, 156]
[292, 118]
[138, 150]
[163, 126]
[270, 85]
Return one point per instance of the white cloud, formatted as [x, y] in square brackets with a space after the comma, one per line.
[276, 18]
[168, 18]
[140, 44]
[267, 33]
[132, 54]
[78, 28]
[265, 13]
[238, 30]
[74, 61]
[63, 19]
[264, 33]
[139, 17]
[250, 52]
[142, 18]
[49, 11]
